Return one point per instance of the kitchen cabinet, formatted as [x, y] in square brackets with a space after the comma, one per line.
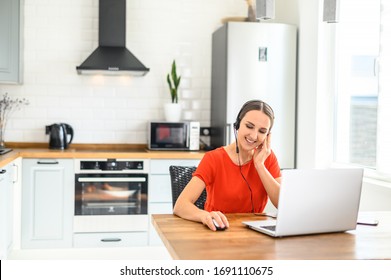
[6, 210]
[47, 203]
[110, 239]
[159, 194]
[10, 43]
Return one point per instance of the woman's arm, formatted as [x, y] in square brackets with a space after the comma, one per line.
[185, 208]
[271, 184]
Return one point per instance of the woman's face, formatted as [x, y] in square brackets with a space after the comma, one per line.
[253, 129]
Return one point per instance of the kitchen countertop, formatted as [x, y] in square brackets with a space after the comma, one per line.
[38, 150]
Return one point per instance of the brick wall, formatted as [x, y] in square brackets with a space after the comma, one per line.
[59, 35]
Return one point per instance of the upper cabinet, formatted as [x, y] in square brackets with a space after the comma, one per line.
[10, 41]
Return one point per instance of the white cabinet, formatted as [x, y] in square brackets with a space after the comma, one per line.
[10, 43]
[110, 239]
[159, 193]
[47, 203]
[6, 210]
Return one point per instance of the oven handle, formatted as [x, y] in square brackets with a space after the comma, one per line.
[111, 179]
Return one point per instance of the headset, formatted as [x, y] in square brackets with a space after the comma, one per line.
[236, 125]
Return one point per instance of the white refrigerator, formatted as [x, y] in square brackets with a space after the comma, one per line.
[252, 60]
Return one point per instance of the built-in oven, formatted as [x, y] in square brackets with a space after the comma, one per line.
[111, 195]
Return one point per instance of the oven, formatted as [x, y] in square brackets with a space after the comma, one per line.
[111, 195]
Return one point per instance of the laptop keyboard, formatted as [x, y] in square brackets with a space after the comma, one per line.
[272, 228]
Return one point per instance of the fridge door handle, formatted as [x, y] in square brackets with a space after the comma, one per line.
[228, 134]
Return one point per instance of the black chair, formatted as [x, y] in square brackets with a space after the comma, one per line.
[180, 176]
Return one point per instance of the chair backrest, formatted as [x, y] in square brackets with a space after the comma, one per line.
[180, 176]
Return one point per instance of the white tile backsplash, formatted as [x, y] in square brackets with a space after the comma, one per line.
[59, 35]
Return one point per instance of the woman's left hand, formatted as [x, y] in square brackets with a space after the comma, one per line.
[262, 152]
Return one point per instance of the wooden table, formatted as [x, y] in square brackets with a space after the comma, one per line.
[187, 240]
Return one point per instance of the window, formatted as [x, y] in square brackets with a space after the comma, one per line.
[362, 126]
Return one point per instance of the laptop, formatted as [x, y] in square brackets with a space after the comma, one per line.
[315, 201]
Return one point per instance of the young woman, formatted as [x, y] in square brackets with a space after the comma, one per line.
[239, 177]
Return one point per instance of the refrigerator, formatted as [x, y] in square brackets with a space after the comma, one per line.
[253, 60]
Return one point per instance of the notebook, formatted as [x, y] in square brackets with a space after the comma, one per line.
[315, 201]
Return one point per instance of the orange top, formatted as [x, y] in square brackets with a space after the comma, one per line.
[227, 191]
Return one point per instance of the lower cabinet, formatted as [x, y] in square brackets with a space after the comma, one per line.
[47, 215]
[6, 210]
[110, 239]
[47, 203]
[159, 194]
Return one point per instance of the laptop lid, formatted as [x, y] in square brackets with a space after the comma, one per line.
[317, 201]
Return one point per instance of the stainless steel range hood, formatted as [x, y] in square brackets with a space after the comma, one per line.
[112, 57]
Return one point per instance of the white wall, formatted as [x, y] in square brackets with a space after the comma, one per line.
[59, 35]
[375, 196]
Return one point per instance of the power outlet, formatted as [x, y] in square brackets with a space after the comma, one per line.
[205, 131]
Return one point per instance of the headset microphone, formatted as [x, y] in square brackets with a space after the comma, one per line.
[236, 127]
[236, 137]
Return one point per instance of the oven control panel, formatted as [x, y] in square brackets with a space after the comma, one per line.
[110, 165]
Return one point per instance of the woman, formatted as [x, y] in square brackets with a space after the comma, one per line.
[239, 177]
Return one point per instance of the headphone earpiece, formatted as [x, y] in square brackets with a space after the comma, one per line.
[236, 124]
[236, 138]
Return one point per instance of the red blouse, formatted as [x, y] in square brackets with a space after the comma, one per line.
[227, 191]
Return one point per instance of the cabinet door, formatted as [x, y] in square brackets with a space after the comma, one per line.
[10, 41]
[159, 194]
[47, 203]
[3, 215]
[6, 211]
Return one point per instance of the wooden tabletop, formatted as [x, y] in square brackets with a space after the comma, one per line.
[187, 240]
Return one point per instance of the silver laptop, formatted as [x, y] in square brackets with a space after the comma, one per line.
[315, 201]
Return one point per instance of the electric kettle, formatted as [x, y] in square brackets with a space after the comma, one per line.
[58, 135]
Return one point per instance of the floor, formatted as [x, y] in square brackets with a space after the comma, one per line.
[129, 253]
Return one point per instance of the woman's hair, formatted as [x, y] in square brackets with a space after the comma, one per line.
[257, 105]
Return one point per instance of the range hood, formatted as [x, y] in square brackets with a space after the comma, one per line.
[112, 57]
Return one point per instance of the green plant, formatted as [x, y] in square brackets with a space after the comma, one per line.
[173, 83]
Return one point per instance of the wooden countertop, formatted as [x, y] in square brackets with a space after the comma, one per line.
[187, 240]
[41, 150]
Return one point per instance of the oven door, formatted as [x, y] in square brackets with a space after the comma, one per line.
[111, 194]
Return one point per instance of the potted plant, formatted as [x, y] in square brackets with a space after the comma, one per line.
[173, 110]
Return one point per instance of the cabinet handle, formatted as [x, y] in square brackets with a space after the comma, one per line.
[2, 171]
[16, 173]
[47, 162]
[111, 240]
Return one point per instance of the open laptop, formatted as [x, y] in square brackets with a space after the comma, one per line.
[315, 201]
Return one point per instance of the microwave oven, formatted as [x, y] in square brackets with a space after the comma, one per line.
[174, 135]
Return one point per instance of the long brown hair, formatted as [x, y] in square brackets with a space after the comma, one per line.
[257, 105]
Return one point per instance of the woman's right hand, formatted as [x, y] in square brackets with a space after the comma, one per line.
[220, 218]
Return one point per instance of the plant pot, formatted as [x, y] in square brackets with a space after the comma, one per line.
[173, 112]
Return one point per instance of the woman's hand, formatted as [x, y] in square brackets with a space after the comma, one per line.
[219, 217]
[263, 151]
